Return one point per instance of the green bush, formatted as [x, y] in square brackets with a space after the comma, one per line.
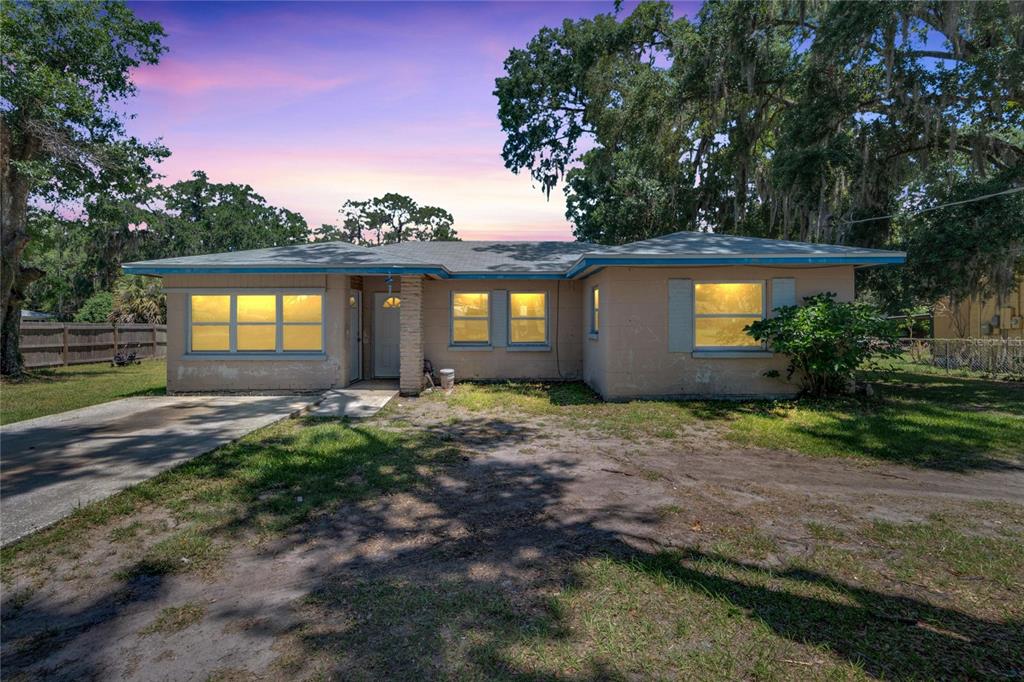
[827, 341]
[97, 308]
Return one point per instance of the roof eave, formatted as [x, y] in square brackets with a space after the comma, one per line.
[581, 266]
[143, 268]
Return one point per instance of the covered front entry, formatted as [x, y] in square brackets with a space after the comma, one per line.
[387, 310]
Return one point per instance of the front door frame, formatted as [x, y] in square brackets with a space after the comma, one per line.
[355, 337]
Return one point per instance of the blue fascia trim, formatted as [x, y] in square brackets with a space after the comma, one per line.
[280, 269]
[718, 260]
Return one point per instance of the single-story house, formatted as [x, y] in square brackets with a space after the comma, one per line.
[654, 318]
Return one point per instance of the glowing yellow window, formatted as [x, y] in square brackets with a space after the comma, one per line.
[528, 318]
[302, 328]
[257, 322]
[595, 311]
[471, 317]
[211, 323]
[723, 309]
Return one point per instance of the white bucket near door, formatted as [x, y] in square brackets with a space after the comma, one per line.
[447, 379]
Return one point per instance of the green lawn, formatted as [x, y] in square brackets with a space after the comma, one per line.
[917, 418]
[920, 419]
[49, 391]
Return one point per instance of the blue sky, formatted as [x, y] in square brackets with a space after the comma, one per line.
[316, 103]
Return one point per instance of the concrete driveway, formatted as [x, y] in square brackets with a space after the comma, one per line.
[52, 465]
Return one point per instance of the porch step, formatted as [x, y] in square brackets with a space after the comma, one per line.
[358, 401]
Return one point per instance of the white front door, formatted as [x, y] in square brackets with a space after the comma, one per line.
[355, 333]
[386, 326]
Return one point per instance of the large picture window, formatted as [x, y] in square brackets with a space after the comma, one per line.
[471, 318]
[256, 323]
[528, 318]
[723, 309]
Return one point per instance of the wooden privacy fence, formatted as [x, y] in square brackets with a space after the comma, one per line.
[48, 344]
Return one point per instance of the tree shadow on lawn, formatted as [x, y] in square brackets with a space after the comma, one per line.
[477, 605]
[464, 584]
[937, 422]
[398, 628]
[972, 393]
[945, 423]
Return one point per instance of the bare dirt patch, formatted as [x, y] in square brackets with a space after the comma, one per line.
[550, 548]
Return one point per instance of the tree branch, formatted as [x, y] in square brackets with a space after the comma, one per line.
[937, 54]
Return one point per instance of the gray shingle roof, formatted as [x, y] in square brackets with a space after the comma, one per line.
[711, 244]
[311, 255]
[483, 257]
[494, 257]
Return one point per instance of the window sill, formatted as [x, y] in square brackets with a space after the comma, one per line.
[291, 355]
[460, 346]
[521, 347]
[732, 354]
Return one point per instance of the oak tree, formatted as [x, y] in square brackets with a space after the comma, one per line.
[768, 118]
[390, 219]
[65, 70]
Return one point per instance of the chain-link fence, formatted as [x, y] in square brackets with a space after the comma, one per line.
[993, 357]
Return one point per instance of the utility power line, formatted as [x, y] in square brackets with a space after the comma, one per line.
[1013, 190]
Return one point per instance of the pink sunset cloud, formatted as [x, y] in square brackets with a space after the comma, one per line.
[184, 78]
[315, 103]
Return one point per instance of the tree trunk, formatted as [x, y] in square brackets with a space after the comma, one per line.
[14, 278]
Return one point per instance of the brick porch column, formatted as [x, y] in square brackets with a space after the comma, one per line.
[411, 336]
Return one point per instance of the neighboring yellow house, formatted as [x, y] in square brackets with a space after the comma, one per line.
[983, 319]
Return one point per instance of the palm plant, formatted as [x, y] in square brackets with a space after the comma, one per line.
[139, 300]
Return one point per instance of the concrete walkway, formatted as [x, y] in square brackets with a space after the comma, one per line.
[52, 465]
[361, 399]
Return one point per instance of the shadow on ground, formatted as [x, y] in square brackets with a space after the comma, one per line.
[455, 568]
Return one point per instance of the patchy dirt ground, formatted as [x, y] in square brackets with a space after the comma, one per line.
[516, 560]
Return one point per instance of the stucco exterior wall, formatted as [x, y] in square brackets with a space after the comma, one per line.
[972, 314]
[563, 360]
[635, 362]
[196, 373]
[629, 357]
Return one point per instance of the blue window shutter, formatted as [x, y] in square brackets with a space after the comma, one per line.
[680, 315]
[499, 318]
[783, 293]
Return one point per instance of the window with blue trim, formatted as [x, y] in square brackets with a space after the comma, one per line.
[528, 318]
[722, 310]
[255, 323]
[471, 318]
